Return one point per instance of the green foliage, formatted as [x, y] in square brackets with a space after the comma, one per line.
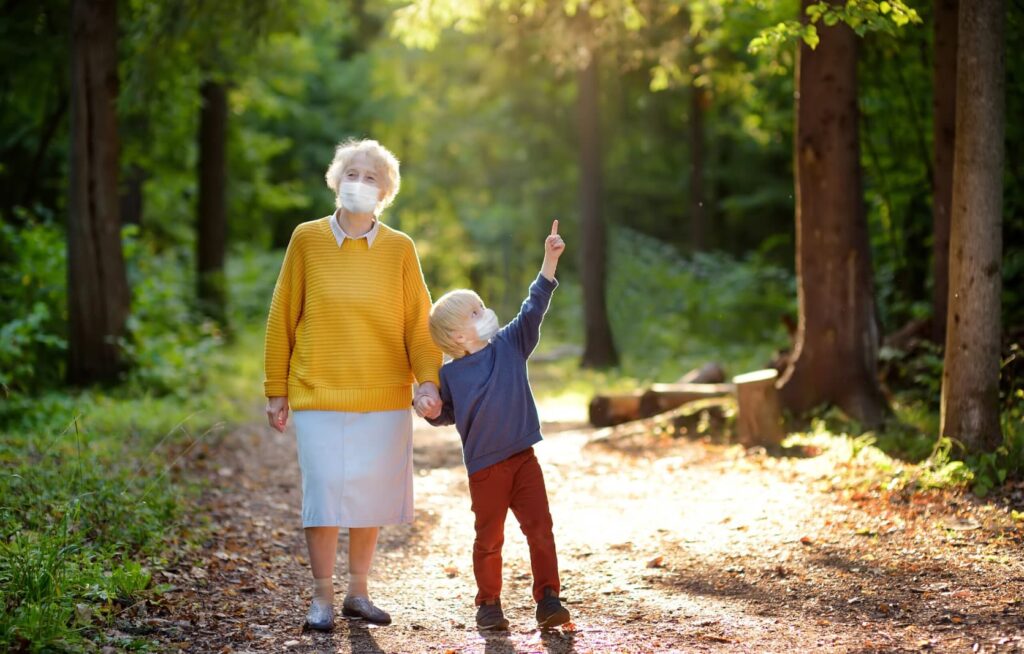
[941, 470]
[76, 520]
[169, 342]
[1013, 188]
[863, 16]
[670, 313]
[784, 33]
[896, 158]
[916, 375]
[33, 307]
[34, 109]
[93, 497]
[992, 469]
[909, 452]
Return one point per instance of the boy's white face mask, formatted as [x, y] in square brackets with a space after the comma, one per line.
[358, 197]
[486, 325]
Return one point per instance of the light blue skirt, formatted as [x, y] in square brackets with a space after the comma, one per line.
[356, 467]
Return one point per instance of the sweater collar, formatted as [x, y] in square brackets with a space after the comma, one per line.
[340, 235]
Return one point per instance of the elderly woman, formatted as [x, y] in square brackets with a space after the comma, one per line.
[346, 336]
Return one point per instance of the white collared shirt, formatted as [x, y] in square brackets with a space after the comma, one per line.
[340, 235]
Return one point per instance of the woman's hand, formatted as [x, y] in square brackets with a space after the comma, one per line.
[427, 401]
[277, 412]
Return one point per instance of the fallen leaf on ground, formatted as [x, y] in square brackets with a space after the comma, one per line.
[718, 639]
[656, 562]
[961, 524]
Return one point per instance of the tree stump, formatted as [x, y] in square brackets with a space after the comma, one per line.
[760, 414]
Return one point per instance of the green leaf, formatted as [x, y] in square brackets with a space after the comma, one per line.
[810, 36]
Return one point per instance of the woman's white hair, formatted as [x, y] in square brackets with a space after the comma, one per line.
[380, 157]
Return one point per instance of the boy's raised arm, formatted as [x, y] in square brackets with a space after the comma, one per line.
[524, 330]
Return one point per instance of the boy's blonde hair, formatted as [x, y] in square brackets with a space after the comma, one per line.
[449, 314]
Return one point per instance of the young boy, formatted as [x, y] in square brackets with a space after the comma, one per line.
[485, 392]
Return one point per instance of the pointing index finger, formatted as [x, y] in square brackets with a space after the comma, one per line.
[554, 228]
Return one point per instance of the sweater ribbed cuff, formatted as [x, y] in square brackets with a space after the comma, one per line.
[427, 373]
[275, 388]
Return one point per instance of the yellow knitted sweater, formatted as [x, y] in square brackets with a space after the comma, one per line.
[347, 329]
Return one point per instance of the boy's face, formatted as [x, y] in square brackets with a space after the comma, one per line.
[466, 334]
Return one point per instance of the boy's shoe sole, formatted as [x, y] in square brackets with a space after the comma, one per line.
[501, 625]
[489, 616]
[556, 619]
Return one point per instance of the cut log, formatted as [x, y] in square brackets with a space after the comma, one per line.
[759, 419]
[709, 373]
[613, 409]
[665, 397]
[608, 410]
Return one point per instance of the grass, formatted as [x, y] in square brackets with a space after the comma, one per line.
[907, 453]
[93, 498]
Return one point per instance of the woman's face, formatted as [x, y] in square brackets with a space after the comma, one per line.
[362, 170]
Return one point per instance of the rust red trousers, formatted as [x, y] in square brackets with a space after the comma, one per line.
[516, 483]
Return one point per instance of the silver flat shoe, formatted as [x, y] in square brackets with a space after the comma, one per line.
[320, 616]
[362, 607]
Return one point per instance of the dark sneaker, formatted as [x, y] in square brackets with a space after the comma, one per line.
[490, 616]
[550, 612]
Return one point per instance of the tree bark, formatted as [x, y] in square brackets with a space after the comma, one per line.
[98, 296]
[698, 214]
[836, 350]
[599, 348]
[943, 130]
[970, 377]
[211, 219]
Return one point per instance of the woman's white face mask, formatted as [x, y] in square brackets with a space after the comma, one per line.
[358, 197]
[486, 326]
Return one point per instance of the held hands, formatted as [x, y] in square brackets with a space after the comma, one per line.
[277, 412]
[553, 248]
[427, 401]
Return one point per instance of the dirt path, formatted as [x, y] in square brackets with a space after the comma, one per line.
[664, 545]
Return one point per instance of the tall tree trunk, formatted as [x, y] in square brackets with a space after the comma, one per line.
[970, 376]
[599, 348]
[98, 297]
[943, 130]
[698, 213]
[212, 221]
[835, 355]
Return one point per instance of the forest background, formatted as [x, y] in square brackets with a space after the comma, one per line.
[661, 134]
